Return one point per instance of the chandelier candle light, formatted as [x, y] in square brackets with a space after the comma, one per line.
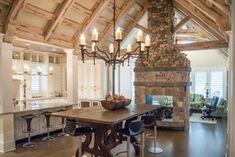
[114, 56]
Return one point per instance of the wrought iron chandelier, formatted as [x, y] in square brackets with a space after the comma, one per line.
[114, 56]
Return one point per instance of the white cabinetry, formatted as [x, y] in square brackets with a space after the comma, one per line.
[91, 80]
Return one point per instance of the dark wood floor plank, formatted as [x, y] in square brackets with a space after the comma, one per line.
[201, 140]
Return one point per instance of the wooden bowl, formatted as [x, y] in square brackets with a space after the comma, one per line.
[110, 105]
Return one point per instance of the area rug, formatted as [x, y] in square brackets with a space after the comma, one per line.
[196, 117]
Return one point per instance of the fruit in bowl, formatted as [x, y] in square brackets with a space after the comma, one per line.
[115, 102]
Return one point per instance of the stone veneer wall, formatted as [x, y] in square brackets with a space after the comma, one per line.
[167, 70]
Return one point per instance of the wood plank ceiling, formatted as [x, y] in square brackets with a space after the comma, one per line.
[60, 22]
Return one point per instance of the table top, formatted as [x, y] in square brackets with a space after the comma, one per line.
[99, 115]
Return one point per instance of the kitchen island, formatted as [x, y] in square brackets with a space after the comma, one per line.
[38, 123]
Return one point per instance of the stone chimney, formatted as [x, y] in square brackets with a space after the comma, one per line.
[167, 71]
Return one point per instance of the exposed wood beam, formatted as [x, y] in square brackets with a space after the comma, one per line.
[11, 20]
[221, 21]
[228, 2]
[5, 2]
[203, 45]
[221, 5]
[205, 10]
[134, 23]
[189, 39]
[191, 34]
[199, 18]
[58, 17]
[181, 23]
[125, 8]
[78, 7]
[26, 34]
[49, 16]
[145, 30]
[39, 11]
[94, 16]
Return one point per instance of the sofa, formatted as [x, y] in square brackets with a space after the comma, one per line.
[196, 102]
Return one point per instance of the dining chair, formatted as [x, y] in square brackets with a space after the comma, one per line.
[134, 128]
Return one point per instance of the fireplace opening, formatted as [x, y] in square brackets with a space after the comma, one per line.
[165, 103]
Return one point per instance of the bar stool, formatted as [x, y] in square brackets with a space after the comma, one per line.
[73, 130]
[149, 120]
[29, 130]
[63, 125]
[133, 129]
[47, 115]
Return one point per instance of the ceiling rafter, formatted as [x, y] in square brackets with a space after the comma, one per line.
[135, 22]
[221, 21]
[145, 30]
[221, 5]
[78, 7]
[11, 20]
[191, 34]
[5, 2]
[58, 17]
[94, 16]
[203, 45]
[125, 8]
[48, 15]
[38, 11]
[199, 18]
[206, 10]
[181, 23]
[24, 33]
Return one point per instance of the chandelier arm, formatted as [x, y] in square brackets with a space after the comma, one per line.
[127, 54]
[123, 59]
[101, 57]
[88, 54]
[104, 53]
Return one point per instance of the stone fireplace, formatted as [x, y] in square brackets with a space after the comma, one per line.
[167, 70]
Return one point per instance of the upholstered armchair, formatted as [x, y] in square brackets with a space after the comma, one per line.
[196, 101]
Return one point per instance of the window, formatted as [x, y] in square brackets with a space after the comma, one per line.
[213, 79]
[35, 83]
[200, 82]
[217, 82]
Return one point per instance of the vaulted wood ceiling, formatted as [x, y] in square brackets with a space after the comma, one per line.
[60, 22]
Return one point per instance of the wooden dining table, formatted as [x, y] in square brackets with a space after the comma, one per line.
[105, 125]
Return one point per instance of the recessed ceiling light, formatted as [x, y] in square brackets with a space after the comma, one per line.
[27, 44]
[53, 49]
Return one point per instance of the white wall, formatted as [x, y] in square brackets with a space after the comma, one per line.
[206, 59]
[125, 79]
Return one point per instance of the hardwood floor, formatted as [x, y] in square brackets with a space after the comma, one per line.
[201, 140]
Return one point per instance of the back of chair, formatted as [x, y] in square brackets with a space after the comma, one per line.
[136, 128]
[214, 102]
[70, 127]
[149, 119]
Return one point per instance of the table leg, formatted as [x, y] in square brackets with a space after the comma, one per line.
[100, 149]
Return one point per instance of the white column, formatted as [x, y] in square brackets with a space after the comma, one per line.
[231, 105]
[7, 141]
[72, 76]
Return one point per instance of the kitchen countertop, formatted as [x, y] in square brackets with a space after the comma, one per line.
[37, 107]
